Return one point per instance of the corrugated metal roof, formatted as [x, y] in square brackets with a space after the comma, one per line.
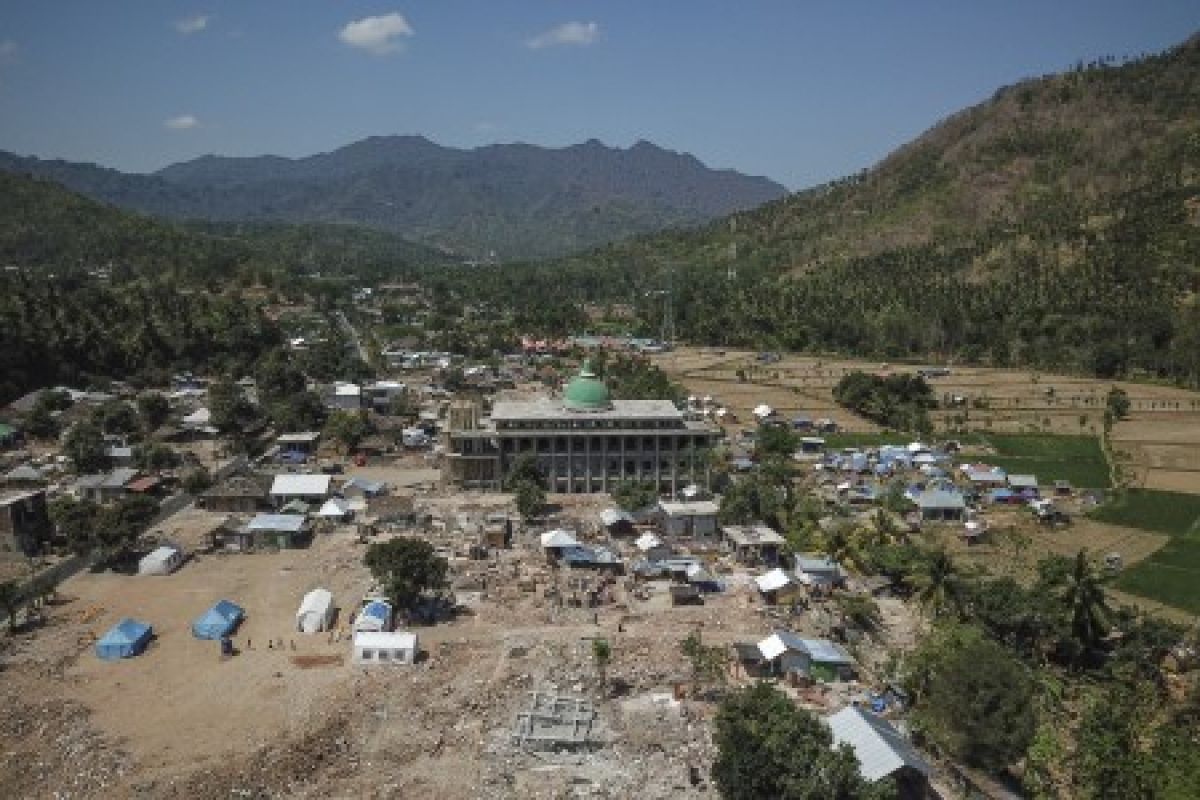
[289, 523]
[309, 485]
[879, 747]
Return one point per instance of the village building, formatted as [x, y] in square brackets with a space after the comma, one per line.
[697, 518]
[787, 655]
[881, 751]
[243, 494]
[298, 446]
[753, 544]
[25, 526]
[310, 489]
[105, 487]
[583, 441]
[383, 647]
[941, 505]
[819, 573]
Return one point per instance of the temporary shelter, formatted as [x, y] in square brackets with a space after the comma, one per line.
[335, 509]
[125, 639]
[762, 411]
[376, 616]
[385, 648]
[218, 621]
[558, 539]
[161, 561]
[316, 611]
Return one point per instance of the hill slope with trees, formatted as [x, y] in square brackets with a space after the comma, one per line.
[43, 225]
[1057, 224]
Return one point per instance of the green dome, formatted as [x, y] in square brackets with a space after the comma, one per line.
[586, 392]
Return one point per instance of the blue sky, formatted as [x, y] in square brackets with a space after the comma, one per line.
[799, 91]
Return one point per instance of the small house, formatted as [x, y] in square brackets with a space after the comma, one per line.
[298, 446]
[126, 639]
[881, 751]
[696, 518]
[776, 587]
[819, 573]
[105, 487]
[237, 494]
[285, 531]
[316, 612]
[347, 397]
[25, 525]
[941, 505]
[218, 621]
[982, 476]
[812, 445]
[24, 474]
[311, 488]
[818, 659]
[1024, 484]
[382, 647]
[161, 561]
[1063, 488]
[754, 544]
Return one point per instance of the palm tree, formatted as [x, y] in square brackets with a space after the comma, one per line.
[938, 584]
[1083, 596]
[841, 543]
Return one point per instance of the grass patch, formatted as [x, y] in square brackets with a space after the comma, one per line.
[1046, 446]
[1172, 513]
[1171, 575]
[1078, 459]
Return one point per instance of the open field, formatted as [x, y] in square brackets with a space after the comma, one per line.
[1161, 437]
[1078, 459]
[1171, 575]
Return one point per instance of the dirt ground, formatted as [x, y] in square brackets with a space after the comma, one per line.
[296, 719]
[1161, 434]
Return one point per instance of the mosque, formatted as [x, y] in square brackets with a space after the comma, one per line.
[583, 440]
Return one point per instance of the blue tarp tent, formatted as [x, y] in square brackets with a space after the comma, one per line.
[218, 621]
[125, 639]
[376, 616]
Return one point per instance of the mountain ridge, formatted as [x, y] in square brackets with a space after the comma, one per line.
[521, 200]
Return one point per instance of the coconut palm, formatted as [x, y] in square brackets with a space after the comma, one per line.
[1083, 595]
[938, 584]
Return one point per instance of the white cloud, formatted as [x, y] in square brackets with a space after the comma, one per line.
[377, 35]
[578, 34]
[183, 122]
[189, 25]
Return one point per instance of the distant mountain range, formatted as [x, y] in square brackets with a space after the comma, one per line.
[516, 200]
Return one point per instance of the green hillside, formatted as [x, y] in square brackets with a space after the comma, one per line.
[45, 226]
[1057, 224]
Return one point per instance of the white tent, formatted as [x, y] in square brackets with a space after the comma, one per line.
[334, 509]
[395, 647]
[773, 581]
[558, 539]
[161, 561]
[316, 611]
[647, 541]
[763, 411]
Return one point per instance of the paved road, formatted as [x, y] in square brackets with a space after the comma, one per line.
[354, 337]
